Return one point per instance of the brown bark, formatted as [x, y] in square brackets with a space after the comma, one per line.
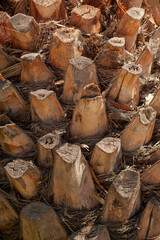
[10, 99]
[129, 25]
[8, 216]
[23, 29]
[24, 177]
[34, 70]
[12, 139]
[46, 146]
[94, 3]
[123, 199]
[155, 9]
[5, 60]
[139, 131]
[45, 107]
[5, 36]
[125, 89]
[93, 232]
[149, 222]
[151, 175]
[106, 155]
[66, 43]
[113, 53]
[48, 10]
[156, 34]
[147, 57]
[155, 103]
[89, 117]
[72, 182]
[40, 222]
[87, 18]
[80, 72]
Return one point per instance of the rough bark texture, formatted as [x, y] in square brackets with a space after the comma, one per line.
[89, 117]
[12, 139]
[48, 10]
[5, 35]
[8, 216]
[72, 182]
[23, 29]
[123, 199]
[129, 25]
[5, 60]
[113, 53]
[87, 18]
[147, 57]
[24, 177]
[155, 103]
[151, 175]
[149, 222]
[10, 99]
[67, 43]
[155, 10]
[125, 88]
[45, 107]
[139, 131]
[34, 70]
[40, 222]
[80, 72]
[106, 155]
[46, 146]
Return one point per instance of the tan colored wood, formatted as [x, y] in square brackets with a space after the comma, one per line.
[127, 4]
[80, 72]
[123, 199]
[146, 58]
[72, 182]
[10, 99]
[34, 69]
[87, 18]
[12, 139]
[155, 103]
[93, 232]
[139, 131]
[125, 88]
[8, 216]
[5, 36]
[40, 222]
[45, 107]
[89, 117]
[150, 220]
[106, 155]
[46, 146]
[66, 43]
[113, 53]
[23, 29]
[43, 10]
[151, 175]
[5, 60]
[129, 25]
[24, 177]
[155, 9]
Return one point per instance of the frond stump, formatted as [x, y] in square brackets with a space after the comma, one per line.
[139, 131]
[71, 179]
[149, 222]
[46, 146]
[40, 222]
[123, 199]
[129, 25]
[5, 60]
[89, 117]
[5, 35]
[66, 43]
[125, 88]
[106, 155]
[155, 9]
[23, 28]
[45, 107]
[48, 10]
[34, 69]
[80, 72]
[87, 18]
[13, 140]
[24, 177]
